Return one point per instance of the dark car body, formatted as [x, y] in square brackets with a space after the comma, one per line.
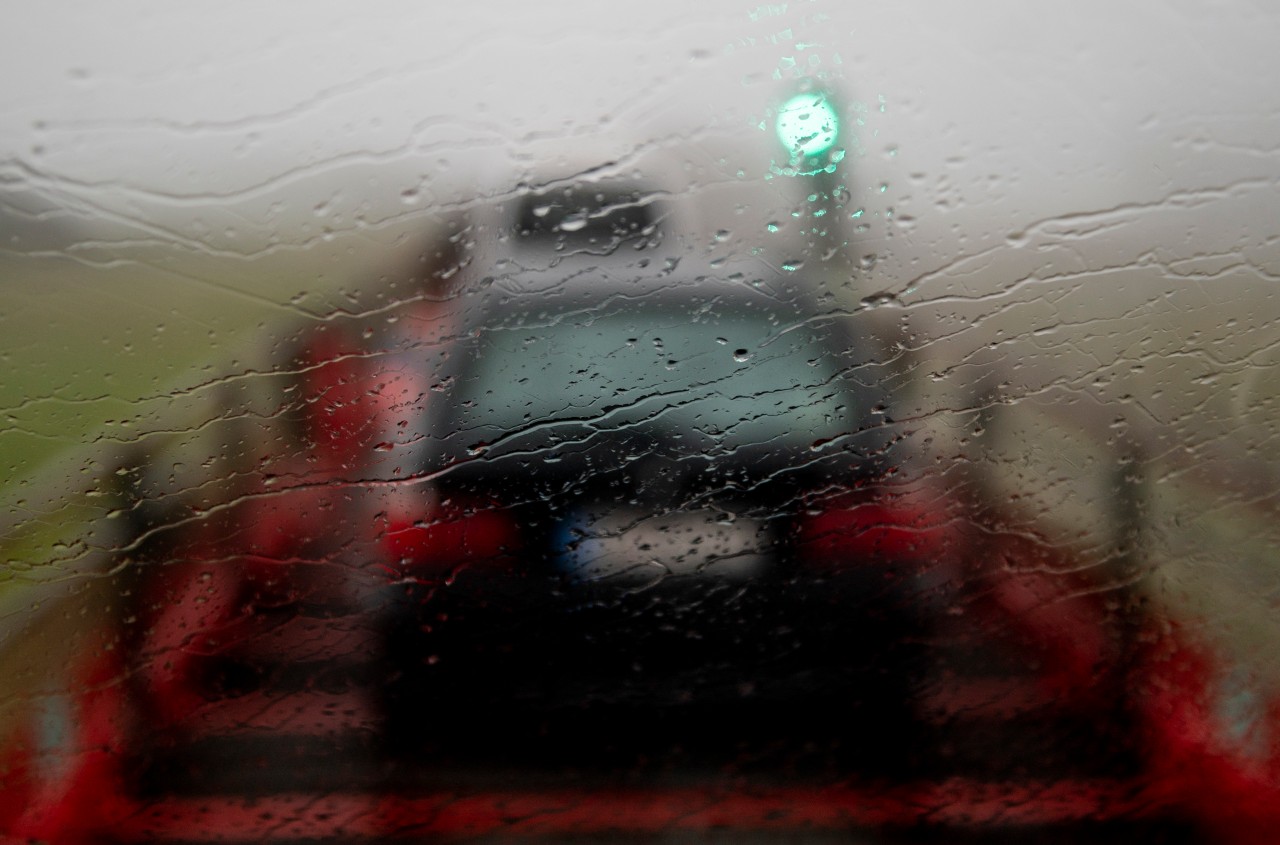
[615, 546]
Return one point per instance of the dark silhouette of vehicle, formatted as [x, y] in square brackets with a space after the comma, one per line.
[625, 522]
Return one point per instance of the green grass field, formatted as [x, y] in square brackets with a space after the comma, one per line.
[97, 359]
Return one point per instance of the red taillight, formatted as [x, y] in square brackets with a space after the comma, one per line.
[439, 537]
[863, 527]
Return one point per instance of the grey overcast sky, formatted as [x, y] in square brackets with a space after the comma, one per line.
[228, 128]
[180, 101]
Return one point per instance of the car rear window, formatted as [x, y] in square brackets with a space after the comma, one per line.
[737, 378]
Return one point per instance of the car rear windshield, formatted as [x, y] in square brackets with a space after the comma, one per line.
[730, 379]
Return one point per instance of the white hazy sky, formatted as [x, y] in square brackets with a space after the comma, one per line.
[220, 128]
[183, 101]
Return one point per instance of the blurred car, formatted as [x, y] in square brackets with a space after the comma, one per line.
[627, 512]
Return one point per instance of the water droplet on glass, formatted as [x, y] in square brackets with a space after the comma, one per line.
[573, 223]
[881, 300]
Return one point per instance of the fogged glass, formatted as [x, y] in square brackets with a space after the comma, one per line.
[748, 422]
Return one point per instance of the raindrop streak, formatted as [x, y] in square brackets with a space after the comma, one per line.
[882, 299]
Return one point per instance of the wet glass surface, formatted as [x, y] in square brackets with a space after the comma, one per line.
[740, 423]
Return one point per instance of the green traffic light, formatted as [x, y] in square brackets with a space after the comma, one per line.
[807, 125]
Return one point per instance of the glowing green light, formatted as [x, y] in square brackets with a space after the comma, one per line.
[807, 125]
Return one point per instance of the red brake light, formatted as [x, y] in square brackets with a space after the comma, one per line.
[867, 526]
[442, 536]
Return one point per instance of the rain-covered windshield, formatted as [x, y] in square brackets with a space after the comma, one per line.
[798, 421]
